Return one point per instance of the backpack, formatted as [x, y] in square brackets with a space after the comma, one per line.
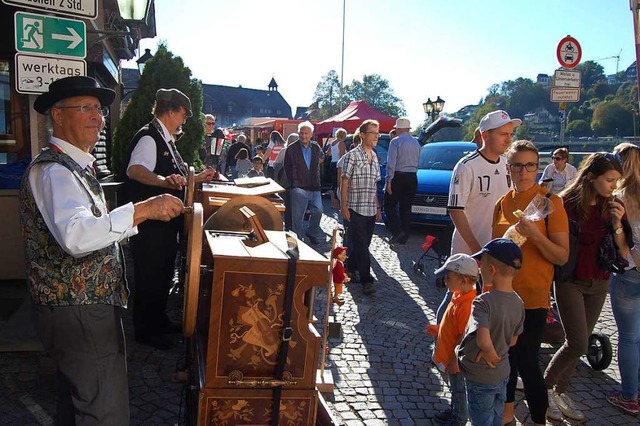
[564, 273]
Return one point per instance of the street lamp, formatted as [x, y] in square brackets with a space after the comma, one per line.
[433, 108]
[141, 61]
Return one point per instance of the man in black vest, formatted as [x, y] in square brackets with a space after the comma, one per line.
[74, 267]
[154, 166]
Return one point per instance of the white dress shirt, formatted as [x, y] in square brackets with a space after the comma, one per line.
[66, 206]
[144, 153]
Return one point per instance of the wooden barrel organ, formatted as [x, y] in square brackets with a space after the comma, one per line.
[236, 283]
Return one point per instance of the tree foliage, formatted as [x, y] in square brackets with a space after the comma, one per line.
[612, 118]
[329, 98]
[375, 90]
[592, 73]
[578, 128]
[164, 70]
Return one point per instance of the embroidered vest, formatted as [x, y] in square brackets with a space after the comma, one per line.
[55, 277]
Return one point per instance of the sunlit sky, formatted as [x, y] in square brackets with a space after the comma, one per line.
[455, 49]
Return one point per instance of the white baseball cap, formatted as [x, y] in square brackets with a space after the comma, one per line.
[402, 123]
[461, 263]
[496, 119]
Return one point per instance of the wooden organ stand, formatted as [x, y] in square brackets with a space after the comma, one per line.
[235, 289]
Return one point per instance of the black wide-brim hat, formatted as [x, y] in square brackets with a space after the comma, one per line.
[73, 86]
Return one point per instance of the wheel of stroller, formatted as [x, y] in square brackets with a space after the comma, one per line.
[418, 268]
[599, 351]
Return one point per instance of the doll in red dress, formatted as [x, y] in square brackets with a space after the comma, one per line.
[339, 276]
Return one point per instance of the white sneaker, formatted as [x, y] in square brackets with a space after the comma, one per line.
[567, 406]
[553, 412]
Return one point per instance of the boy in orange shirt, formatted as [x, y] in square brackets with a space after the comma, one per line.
[460, 273]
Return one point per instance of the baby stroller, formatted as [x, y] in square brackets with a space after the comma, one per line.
[431, 249]
[599, 351]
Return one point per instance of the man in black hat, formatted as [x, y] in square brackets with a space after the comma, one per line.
[74, 267]
[154, 167]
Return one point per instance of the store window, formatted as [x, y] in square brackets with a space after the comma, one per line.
[14, 117]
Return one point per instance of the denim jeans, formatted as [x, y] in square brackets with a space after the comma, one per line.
[625, 304]
[300, 199]
[443, 306]
[486, 402]
[458, 399]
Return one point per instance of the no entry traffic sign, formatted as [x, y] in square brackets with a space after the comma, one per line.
[569, 52]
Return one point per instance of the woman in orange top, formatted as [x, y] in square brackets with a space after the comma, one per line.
[547, 244]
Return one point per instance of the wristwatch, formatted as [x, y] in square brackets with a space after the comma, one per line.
[618, 231]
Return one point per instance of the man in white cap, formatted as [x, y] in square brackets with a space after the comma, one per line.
[479, 179]
[401, 180]
[74, 267]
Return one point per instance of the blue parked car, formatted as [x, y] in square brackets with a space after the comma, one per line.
[437, 161]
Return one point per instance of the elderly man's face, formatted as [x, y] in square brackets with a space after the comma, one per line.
[71, 124]
[305, 134]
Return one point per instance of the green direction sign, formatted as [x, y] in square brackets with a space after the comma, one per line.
[49, 36]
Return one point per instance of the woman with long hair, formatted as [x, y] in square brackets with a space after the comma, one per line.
[590, 203]
[625, 288]
[276, 144]
[547, 244]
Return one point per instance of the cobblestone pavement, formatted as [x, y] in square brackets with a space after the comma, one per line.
[380, 363]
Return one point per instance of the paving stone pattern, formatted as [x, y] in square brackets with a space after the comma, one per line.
[380, 362]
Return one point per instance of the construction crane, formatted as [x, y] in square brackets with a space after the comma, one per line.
[616, 57]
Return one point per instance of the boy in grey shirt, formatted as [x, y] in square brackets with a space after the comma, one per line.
[497, 318]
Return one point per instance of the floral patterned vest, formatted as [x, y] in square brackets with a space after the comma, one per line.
[55, 277]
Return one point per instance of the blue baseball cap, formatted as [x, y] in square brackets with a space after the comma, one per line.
[503, 249]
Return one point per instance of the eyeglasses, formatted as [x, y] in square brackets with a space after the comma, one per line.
[86, 109]
[558, 158]
[517, 167]
[210, 123]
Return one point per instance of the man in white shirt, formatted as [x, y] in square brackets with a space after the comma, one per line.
[479, 179]
[154, 166]
[74, 267]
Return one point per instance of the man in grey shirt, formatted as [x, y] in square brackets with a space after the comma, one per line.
[401, 180]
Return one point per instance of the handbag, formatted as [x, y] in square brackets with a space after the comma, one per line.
[608, 257]
[564, 273]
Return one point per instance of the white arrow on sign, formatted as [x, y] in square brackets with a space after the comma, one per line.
[74, 37]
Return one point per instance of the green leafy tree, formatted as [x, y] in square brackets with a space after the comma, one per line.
[600, 90]
[612, 118]
[164, 70]
[523, 95]
[628, 93]
[469, 128]
[376, 91]
[523, 132]
[592, 73]
[578, 128]
[328, 99]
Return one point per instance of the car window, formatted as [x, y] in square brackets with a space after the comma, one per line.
[442, 157]
[382, 148]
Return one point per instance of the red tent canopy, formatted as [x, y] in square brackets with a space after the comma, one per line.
[352, 117]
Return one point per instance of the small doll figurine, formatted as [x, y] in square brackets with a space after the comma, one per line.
[339, 277]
